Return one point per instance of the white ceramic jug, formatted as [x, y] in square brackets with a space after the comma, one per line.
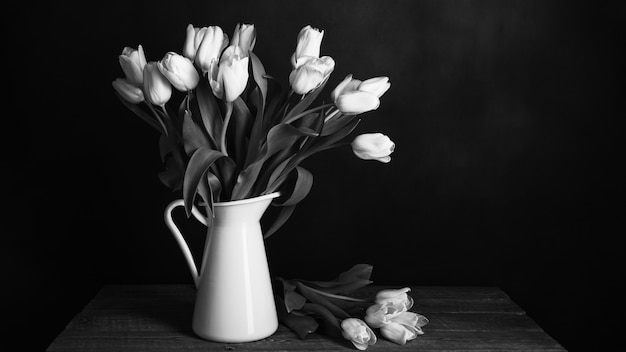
[234, 298]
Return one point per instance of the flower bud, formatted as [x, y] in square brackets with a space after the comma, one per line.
[376, 85]
[357, 332]
[156, 88]
[129, 92]
[132, 62]
[377, 146]
[309, 45]
[180, 71]
[190, 47]
[353, 96]
[405, 327]
[211, 40]
[244, 37]
[229, 79]
[311, 74]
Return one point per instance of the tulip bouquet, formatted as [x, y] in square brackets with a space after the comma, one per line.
[235, 133]
[302, 303]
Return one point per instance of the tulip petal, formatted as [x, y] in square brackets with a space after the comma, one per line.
[357, 102]
[396, 333]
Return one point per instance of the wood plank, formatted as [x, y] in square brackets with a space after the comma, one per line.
[158, 318]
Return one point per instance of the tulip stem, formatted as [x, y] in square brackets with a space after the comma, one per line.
[229, 112]
[331, 115]
[158, 118]
[307, 112]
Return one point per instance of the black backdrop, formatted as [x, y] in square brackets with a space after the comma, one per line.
[506, 173]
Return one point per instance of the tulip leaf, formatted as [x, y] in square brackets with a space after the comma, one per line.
[282, 217]
[200, 161]
[336, 124]
[334, 287]
[242, 125]
[258, 74]
[193, 136]
[323, 313]
[316, 298]
[305, 101]
[209, 111]
[172, 176]
[302, 325]
[358, 271]
[301, 188]
[279, 138]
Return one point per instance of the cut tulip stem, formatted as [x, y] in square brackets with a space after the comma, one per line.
[229, 112]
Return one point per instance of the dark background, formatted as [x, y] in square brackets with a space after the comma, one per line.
[506, 115]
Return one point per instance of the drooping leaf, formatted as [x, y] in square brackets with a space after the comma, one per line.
[199, 163]
[193, 135]
[282, 217]
[301, 188]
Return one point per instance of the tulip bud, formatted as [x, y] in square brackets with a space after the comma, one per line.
[405, 327]
[376, 85]
[212, 40]
[309, 45]
[190, 47]
[374, 146]
[229, 79]
[129, 92]
[132, 62]
[352, 96]
[311, 74]
[180, 71]
[157, 89]
[244, 37]
[357, 332]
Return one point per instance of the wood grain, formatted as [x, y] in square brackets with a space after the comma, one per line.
[158, 318]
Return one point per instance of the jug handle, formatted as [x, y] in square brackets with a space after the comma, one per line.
[169, 221]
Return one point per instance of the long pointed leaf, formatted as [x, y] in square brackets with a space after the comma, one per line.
[199, 163]
[282, 217]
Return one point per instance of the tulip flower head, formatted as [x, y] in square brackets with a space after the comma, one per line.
[244, 37]
[228, 79]
[132, 62]
[373, 146]
[128, 91]
[311, 74]
[204, 45]
[156, 88]
[357, 332]
[309, 46]
[353, 96]
[180, 71]
[391, 315]
[404, 327]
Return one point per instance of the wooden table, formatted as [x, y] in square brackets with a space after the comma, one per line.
[158, 318]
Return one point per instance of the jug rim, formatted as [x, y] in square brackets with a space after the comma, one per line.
[247, 200]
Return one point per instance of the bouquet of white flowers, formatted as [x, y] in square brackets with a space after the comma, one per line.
[236, 133]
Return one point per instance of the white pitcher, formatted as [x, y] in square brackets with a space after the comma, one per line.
[234, 298]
